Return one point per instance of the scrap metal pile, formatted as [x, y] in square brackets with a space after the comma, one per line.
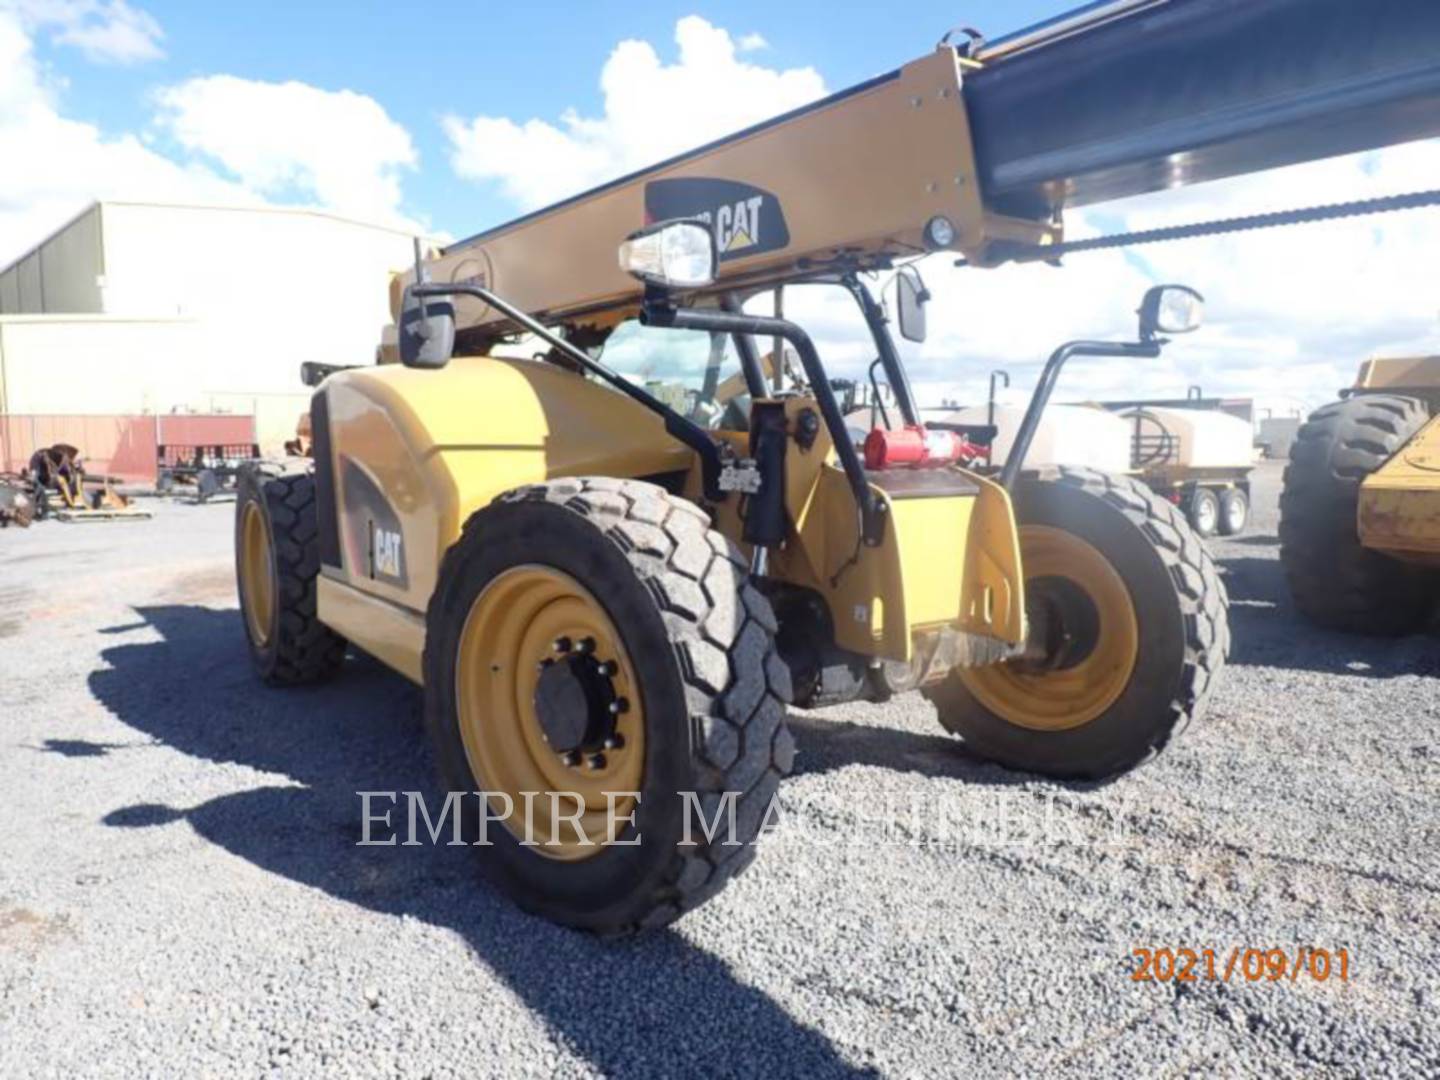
[57, 486]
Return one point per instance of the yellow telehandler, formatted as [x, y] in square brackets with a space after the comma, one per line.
[613, 565]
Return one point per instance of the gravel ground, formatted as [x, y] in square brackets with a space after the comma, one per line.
[181, 894]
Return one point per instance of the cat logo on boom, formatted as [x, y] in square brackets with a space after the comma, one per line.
[737, 227]
[747, 220]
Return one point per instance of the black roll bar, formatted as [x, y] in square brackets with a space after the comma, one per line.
[660, 313]
[681, 427]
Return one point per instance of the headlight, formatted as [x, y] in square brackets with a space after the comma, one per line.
[676, 254]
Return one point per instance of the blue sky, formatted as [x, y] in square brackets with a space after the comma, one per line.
[508, 59]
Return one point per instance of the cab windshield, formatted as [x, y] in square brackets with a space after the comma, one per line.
[695, 372]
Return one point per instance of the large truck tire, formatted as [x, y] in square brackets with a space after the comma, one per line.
[596, 636]
[277, 561]
[1234, 511]
[1133, 618]
[1335, 582]
[1204, 512]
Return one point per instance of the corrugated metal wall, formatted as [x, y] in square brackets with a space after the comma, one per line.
[123, 446]
[62, 276]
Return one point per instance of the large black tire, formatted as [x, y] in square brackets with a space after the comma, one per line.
[1337, 583]
[1180, 611]
[714, 691]
[295, 647]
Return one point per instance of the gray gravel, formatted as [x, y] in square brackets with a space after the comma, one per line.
[181, 894]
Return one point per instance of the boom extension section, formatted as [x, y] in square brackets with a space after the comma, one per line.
[978, 148]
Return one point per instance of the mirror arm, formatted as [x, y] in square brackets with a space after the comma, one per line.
[872, 521]
[877, 401]
[884, 345]
[1015, 460]
[749, 352]
[679, 427]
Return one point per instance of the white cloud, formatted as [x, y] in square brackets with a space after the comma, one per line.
[71, 163]
[653, 110]
[1291, 312]
[265, 142]
[281, 139]
[106, 31]
[751, 43]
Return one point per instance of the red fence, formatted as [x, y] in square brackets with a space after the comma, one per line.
[122, 446]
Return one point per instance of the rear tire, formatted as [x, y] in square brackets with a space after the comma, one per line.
[1336, 582]
[1204, 512]
[1234, 511]
[1021, 715]
[277, 561]
[692, 640]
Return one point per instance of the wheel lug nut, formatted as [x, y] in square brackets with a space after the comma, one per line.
[618, 706]
[570, 758]
[615, 742]
[608, 668]
[562, 644]
[585, 645]
[595, 761]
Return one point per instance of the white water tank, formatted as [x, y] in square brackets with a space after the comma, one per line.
[1191, 438]
[1068, 435]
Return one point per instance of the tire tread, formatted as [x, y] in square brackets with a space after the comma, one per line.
[721, 631]
[1336, 582]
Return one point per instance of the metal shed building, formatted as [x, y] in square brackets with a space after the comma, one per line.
[146, 308]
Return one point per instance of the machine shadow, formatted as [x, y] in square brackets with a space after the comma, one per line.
[825, 743]
[653, 1005]
[1260, 599]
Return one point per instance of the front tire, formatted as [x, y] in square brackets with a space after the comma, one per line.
[1337, 583]
[674, 629]
[277, 562]
[1133, 614]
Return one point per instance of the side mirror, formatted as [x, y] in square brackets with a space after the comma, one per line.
[677, 254]
[911, 295]
[426, 331]
[1170, 309]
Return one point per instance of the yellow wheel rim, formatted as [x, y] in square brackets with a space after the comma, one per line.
[257, 574]
[510, 633]
[1033, 696]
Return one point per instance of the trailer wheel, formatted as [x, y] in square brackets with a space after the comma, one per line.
[1336, 582]
[593, 642]
[1234, 511]
[1204, 512]
[277, 559]
[1128, 632]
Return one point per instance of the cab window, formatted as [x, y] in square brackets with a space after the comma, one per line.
[696, 372]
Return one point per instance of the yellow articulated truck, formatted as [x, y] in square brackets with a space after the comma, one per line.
[1360, 509]
[611, 599]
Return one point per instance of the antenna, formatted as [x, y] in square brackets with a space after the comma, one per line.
[423, 330]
